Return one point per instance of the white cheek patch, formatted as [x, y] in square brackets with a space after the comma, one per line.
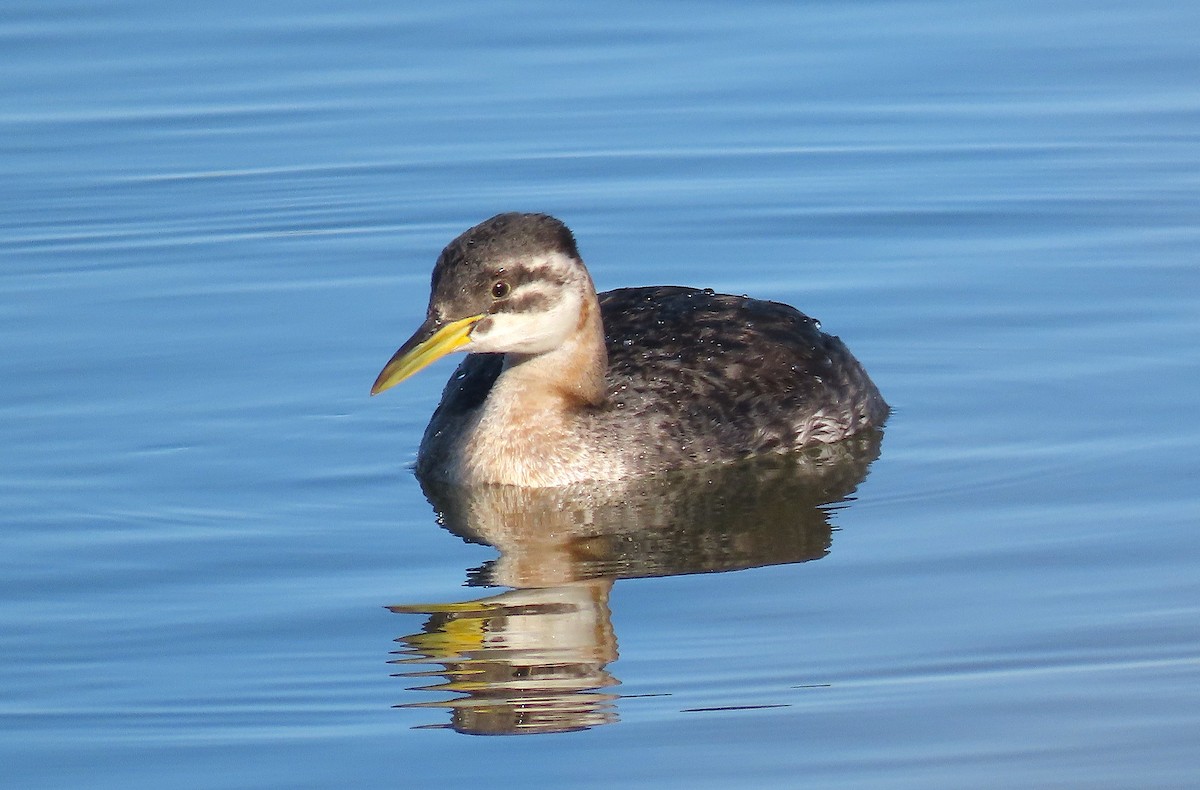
[550, 328]
[552, 315]
[529, 333]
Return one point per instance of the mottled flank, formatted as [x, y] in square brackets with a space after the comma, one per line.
[724, 377]
[696, 377]
[681, 377]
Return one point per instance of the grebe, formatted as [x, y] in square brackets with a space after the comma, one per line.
[562, 385]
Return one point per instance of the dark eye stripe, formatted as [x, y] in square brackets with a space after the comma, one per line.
[524, 303]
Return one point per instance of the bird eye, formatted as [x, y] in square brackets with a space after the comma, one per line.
[500, 289]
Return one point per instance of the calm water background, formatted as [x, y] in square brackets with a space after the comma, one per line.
[217, 222]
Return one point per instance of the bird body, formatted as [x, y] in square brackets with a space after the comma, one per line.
[567, 385]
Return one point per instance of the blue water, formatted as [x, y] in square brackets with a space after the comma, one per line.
[218, 222]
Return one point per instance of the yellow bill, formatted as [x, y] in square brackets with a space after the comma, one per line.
[429, 343]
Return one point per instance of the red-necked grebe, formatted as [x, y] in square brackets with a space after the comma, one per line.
[562, 385]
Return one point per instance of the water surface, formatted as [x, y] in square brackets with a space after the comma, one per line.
[218, 223]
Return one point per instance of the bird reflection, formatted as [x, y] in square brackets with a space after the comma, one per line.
[523, 661]
[534, 659]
